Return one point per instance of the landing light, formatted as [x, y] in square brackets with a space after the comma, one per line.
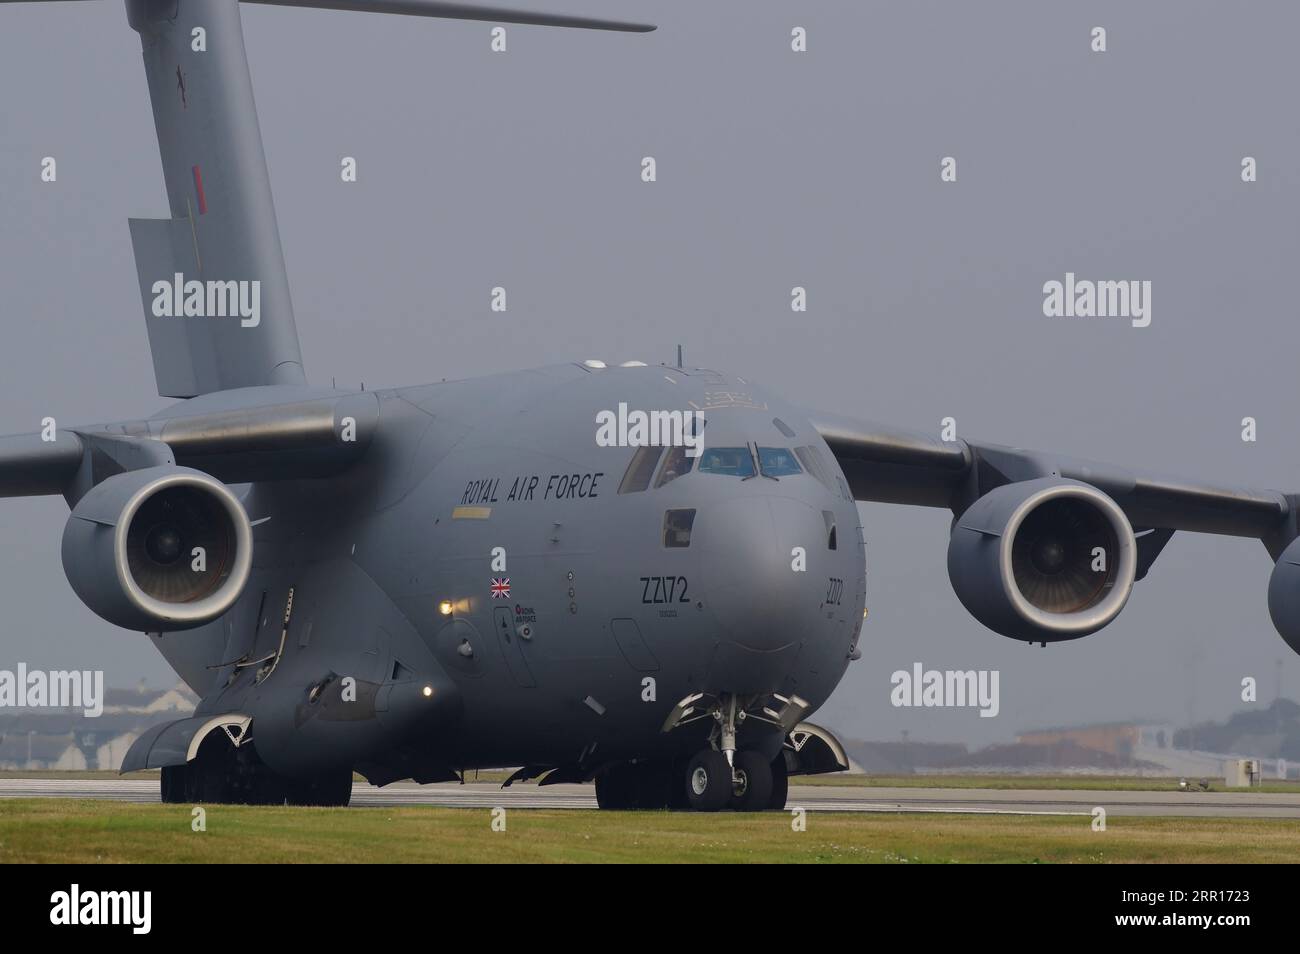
[428, 691]
[445, 607]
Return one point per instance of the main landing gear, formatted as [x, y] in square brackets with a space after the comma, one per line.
[222, 773]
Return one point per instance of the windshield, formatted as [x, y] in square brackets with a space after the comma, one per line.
[677, 464]
[732, 461]
[777, 462]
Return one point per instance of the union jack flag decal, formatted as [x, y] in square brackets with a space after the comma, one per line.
[501, 588]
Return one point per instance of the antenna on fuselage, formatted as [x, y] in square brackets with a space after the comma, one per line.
[679, 357]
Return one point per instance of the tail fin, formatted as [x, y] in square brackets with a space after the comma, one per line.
[212, 276]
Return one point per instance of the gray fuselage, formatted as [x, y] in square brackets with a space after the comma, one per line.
[605, 627]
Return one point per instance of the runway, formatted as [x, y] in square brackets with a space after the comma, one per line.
[814, 798]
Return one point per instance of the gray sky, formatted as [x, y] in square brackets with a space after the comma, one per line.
[775, 169]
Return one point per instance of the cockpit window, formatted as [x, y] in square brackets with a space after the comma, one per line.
[640, 470]
[812, 462]
[829, 519]
[676, 464]
[677, 528]
[732, 461]
[777, 462]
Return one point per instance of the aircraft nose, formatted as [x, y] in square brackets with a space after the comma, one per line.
[764, 594]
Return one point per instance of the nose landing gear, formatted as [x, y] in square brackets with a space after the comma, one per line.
[722, 775]
[747, 785]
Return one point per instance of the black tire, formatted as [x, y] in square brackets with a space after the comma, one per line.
[708, 781]
[652, 782]
[224, 775]
[780, 783]
[210, 776]
[752, 791]
[677, 800]
[614, 787]
[332, 790]
[174, 787]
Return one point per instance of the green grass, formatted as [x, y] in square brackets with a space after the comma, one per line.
[1107, 783]
[75, 774]
[471, 775]
[79, 831]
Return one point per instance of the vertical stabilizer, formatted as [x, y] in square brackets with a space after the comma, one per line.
[212, 278]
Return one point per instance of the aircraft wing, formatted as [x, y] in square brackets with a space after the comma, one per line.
[883, 463]
[1046, 547]
[290, 434]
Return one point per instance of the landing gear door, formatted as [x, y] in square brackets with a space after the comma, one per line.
[512, 646]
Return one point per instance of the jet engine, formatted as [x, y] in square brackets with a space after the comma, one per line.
[162, 548]
[1043, 560]
[1284, 595]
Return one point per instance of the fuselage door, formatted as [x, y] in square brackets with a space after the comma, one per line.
[512, 646]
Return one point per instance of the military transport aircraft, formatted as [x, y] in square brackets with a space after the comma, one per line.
[413, 582]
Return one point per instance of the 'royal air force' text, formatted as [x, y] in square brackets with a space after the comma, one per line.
[557, 487]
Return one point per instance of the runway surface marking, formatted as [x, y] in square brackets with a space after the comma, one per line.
[811, 797]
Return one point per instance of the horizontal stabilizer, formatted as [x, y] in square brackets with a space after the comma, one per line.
[452, 11]
[465, 11]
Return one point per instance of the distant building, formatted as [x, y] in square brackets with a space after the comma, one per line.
[1123, 740]
[66, 740]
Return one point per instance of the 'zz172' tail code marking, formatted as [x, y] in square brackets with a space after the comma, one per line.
[664, 589]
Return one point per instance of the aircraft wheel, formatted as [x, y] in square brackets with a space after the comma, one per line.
[752, 789]
[780, 783]
[223, 775]
[708, 781]
[210, 776]
[175, 784]
[653, 783]
[614, 787]
[333, 789]
[677, 800]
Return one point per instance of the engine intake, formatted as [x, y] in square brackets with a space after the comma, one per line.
[1284, 595]
[1043, 560]
[163, 548]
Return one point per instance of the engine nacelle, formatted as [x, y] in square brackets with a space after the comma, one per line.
[1043, 560]
[1284, 595]
[163, 548]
